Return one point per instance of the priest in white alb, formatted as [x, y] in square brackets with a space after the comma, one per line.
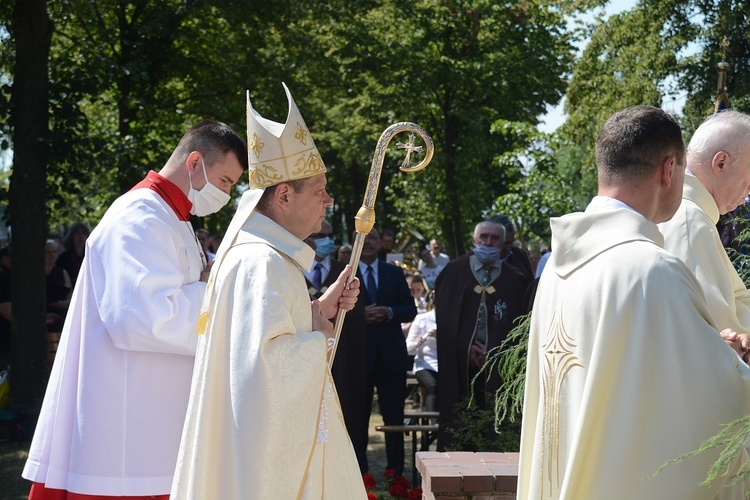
[264, 419]
[717, 181]
[626, 370]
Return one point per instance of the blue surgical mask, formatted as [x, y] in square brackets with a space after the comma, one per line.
[324, 247]
[487, 255]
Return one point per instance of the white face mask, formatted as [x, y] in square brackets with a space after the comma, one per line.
[209, 199]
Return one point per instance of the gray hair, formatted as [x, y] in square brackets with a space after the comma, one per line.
[484, 222]
[726, 131]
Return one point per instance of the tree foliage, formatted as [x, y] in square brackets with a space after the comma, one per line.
[452, 67]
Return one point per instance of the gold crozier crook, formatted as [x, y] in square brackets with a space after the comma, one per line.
[365, 218]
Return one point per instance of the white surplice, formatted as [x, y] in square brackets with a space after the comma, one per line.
[692, 236]
[625, 369]
[115, 403]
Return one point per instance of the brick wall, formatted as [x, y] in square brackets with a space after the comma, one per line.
[468, 475]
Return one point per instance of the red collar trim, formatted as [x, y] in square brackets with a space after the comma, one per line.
[169, 192]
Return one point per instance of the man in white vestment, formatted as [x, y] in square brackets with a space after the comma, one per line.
[717, 181]
[626, 370]
[264, 421]
[116, 399]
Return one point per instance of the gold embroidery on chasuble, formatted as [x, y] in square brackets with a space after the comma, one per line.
[559, 359]
[200, 328]
[256, 145]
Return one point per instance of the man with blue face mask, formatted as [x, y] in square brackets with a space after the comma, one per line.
[477, 298]
[117, 395]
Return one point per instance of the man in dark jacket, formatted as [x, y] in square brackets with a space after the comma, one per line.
[388, 303]
[477, 298]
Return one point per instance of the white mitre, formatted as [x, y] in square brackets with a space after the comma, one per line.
[280, 152]
[277, 152]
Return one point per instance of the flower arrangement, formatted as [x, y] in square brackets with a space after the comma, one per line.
[398, 487]
[370, 484]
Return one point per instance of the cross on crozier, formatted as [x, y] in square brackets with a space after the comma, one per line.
[410, 148]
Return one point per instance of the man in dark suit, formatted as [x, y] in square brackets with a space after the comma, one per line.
[512, 253]
[348, 368]
[388, 303]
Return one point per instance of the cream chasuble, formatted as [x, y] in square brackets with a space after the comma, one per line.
[264, 420]
[692, 236]
[625, 369]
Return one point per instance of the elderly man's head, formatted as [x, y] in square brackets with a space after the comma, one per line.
[719, 156]
[489, 234]
[489, 237]
[510, 232]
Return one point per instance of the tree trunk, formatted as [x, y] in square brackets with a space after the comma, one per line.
[32, 31]
[451, 223]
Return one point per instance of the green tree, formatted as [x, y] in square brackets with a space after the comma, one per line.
[454, 67]
[92, 108]
[645, 55]
[627, 61]
[550, 185]
[123, 91]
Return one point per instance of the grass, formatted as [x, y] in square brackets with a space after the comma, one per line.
[12, 458]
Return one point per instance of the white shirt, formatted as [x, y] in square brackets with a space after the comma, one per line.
[421, 346]
[441, 260]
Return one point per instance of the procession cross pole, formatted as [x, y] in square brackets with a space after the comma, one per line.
[365, 218]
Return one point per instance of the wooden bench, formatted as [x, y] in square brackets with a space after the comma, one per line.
[418, 422]
[414, 395]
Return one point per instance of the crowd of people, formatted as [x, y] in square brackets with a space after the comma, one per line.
[206, 369]
[62, 261]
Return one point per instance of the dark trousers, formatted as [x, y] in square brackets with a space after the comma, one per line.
[391, 387]
[428, 380]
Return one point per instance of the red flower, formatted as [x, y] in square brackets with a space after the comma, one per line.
[369, 481]
[373, 496]
[399, 491]
[416, 494]
[401, 481]
[389, 473]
